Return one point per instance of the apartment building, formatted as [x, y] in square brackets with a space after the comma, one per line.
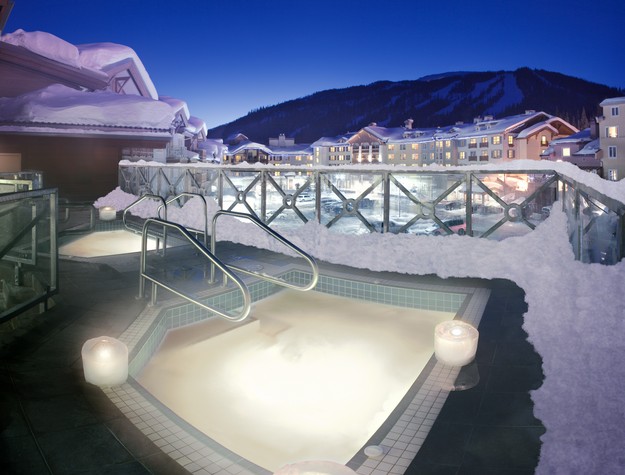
[612, 137]
[486, 140]
[332, 151]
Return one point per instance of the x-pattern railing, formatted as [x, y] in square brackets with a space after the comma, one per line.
[233, 189]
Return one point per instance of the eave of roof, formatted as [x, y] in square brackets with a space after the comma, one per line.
[37, 64]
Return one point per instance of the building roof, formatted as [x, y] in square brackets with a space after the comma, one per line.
[63, 108]
[612, 101]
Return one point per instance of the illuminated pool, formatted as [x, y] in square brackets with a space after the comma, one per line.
[295, 384]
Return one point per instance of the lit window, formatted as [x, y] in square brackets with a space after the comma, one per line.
[611, 132]
[510, 140]
[403, 156]
[566, 152]
[614, 110]
[484, 141]
[462, 155]
[391, 146]
[484, 156]
[496, 139]
[447, 155]
[510, 153]
[432, 156]
[415, 156]
[612, 175]
[439, 144]
[543, 141]
[496, 154]
[415, 146]
[448, 143]
[391, 156]
[612, 151]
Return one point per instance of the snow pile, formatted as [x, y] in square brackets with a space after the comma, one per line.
[58, 104]
[574, 320]
[94, 56]
[45, 44]
[101, 56]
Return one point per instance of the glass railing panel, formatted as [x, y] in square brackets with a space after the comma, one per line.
[424, 203]
[242, 192]
[596, 228]
[494, 205]
[28, 250]
[351, 202]
[510, 204]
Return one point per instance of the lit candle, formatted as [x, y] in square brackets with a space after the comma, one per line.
[105, 361]
[107, 213]
[455, 342]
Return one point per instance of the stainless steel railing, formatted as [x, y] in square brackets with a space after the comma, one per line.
[141, 199]
[309, 259]
[204, 231]
[215, 262]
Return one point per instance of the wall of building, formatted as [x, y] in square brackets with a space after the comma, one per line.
[83, 169]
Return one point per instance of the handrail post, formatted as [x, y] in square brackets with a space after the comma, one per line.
[247, 299]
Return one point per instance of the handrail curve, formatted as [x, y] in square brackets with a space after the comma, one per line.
[308, 258]
[247, 299]
[192, 195]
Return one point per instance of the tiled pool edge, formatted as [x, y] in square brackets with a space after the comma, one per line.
[198, 454]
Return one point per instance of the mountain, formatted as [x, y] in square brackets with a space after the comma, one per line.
[435, 100]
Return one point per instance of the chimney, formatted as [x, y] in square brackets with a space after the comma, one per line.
[408, 123]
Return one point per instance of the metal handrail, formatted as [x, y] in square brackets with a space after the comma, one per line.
[247, 298]
[135, 203]
[192, 195]
[311, 261]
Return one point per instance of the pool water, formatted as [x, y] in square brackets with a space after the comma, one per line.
[311, 376]
[105, 243]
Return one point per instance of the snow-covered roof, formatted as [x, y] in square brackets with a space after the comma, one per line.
[537, 128]
[104, 56]
[99, 57]
[581, 136]
[296, 149]
[61, 105]
[197, 125]
[612, 101]
[248, 144]
[591, 148]
[45, 44]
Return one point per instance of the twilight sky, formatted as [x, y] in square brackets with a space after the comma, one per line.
[227, 57]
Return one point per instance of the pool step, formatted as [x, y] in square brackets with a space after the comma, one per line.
[213, 329]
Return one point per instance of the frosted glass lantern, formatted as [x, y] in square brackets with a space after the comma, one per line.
[313, 467]
[107, 213]
[105, 361]
[455, 342]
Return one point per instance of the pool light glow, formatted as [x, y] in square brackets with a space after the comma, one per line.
[455, 342]
[105, 361]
